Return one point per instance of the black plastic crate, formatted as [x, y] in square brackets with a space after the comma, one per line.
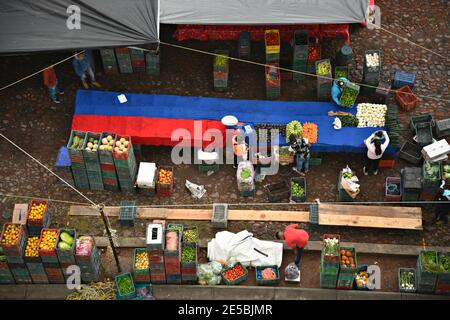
[442, 128]
[411, 152]
[277, 191]
[425, 118]
[127, 213]
[424, 134]
[219, 215]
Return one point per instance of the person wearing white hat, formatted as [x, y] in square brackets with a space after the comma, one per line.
[301, 148]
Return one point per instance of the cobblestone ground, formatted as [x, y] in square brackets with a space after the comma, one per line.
[29, 118]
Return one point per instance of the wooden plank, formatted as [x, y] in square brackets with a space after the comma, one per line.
[370, 221]
[378, 211]
[268, 215]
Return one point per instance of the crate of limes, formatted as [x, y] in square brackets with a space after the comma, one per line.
[125, 289]
[141, 270]
[298, 189]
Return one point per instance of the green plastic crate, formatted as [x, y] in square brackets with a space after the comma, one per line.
[264, 282]
[302, 182]
[140, 272]
[208, 167]
[235, 281]
[125, 296]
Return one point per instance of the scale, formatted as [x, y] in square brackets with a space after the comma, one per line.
[292, 268]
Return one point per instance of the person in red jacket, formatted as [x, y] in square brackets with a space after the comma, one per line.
[51, 82]
[296, 239]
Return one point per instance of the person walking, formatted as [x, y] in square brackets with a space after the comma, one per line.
[51, 82]
[240, 149]
[303, 155]
[375, 150]
[82, 64]
[296, 239]
[443, 205]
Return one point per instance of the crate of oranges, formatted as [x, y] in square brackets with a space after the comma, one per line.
[37, 213]
[32, 250]
[13, 239]
[47, 242]
[141, 271]
[164, 186]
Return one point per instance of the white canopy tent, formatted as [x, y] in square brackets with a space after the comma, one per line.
[263, 11]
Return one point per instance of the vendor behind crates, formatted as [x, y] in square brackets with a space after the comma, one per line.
[296, 239]
[375, 150]
[240, 148]
[337, 89]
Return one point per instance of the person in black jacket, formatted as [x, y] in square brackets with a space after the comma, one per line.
[443, 207]
[301, 148]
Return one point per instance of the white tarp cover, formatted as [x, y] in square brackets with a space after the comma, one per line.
[263, 11]
[246, 249]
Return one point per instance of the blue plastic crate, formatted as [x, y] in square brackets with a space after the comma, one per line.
[63, 158]
[402, 79]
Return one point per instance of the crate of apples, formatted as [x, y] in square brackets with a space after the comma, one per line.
[48, 240]
[165, 176]
[37, 211]
[348, 259]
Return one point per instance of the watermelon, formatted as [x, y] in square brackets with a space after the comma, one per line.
[64, 246]
[67, 238]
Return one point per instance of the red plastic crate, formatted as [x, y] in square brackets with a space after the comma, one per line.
[155, 259]
[427, 196]
[158, 277]
[188, 270]
[392, 197]
[173, 269]
[107, 167]
[122, 50]
[123, 156]
[406, 98]
[141, 278]
[39, 222]
[442, 288]
[386, 164]
[39, 278]
[16, 249]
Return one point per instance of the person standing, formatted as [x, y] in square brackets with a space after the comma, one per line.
[296, 239]
[82, 64]
[375, 150]
[443, 205]
[51, 82]
[302, 152]
[240, 149]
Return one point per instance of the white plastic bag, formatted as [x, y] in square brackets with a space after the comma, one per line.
[337, 124]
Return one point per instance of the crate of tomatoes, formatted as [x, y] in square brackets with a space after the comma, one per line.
[164, 185]
[235, 274]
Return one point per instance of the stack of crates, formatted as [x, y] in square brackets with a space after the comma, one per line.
[314, 54]
[6, 276]
[35, 226]
[411, 183]
[162, 189]
[244, 44]
[126, 166]
[219, 217]
[273, 81]
[141, 275]
[77, 161]
[272, 49]
[89, 262]
[152, 65]
[329, 266]
[443, 278]
[189, 269]
[127, 213]
[124, 60]
[109, 61]
[34, 263]
[172, 260]
[92, 162]
[371, 75]
[324, 84]
[155, 248]
[50, 260]
[137, 60]
[300, 59]
[62, 166]
[347, 275]
[66, 258]
[107, 167]
[221, 70]
[14, 255]
[426, 280]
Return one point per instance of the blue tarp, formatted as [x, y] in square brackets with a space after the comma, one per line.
[102, 103]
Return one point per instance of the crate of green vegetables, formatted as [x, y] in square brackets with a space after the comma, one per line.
[407, 280]
[298, 189]
[125, 289]
[190, 234]
[427, 270]
[349, 95]
[444, 268]
[189, 255]
[175, 226]
[341, 72]
[431, 173]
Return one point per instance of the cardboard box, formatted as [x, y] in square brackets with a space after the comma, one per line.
[20, 213]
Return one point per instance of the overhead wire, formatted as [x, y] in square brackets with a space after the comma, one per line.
[5, 195]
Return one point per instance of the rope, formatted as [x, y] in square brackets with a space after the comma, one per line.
[45, 167]
[37, 72]
[288, 70]
[41, 198]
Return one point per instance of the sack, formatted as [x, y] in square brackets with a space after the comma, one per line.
[337, 124]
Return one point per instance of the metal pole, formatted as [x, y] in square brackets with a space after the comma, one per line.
[108, 232]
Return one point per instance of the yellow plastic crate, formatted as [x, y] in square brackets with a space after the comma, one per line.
[275, 48]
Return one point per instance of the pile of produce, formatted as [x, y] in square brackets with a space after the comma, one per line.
[407, 280]
[272, 39]
[2, 255]
[348, 97]
[347, 259]
[221, 61]
[94, 291]
[347, 175]
[431, 171]
[188, 254]
[284, 152]
[31, 249]
[177, 227]
[294, 127]
[141, 261]
[272, 76]
[107, 143]
[428, 261]
[266, 274]
[122, 146]
[297, 190]
[190, 235]
[92, 144]
[362, 279]
[77, 142]
[349, 121]
[246, 173]
[165, 176]
[84, 246]
[313, 53]
[391, 124]
[372, 61]
[66, 241]
[341, 73]
[11, 234]
[331, 246]
[446, 172]
[37, 211]
[48, 240]
[235, 272]
[209, 273]
[371, 115]
[444, 262]
[172, 241]
[125, 285]
[310, 131]
[323, 68]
